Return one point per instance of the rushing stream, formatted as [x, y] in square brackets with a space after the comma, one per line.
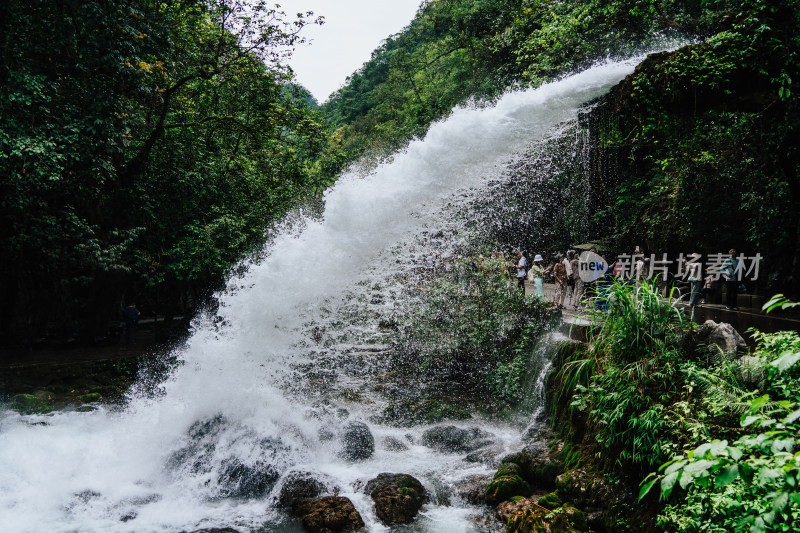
[243, 398]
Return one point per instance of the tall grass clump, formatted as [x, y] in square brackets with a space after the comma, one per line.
[635, 350]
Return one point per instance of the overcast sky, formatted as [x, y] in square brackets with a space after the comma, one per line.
[352, 30]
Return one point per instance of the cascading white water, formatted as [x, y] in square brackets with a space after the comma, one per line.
[138, 470]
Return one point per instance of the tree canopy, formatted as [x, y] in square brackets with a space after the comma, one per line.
[144, 147]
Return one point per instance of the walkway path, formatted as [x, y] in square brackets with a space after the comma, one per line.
[742, 319]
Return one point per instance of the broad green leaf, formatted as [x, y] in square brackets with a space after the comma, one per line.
[780, 501]
[668, 483]
[791, 417]
[727, 475]
[647, 486]
[786, 360]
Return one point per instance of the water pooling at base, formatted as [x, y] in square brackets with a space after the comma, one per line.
[175, 463]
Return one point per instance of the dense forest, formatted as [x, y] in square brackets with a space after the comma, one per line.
[146, 147]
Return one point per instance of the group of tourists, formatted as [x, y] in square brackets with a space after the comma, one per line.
[573, 291]
[564, 272]
[702, 284]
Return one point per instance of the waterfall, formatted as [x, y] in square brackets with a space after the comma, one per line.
[172, 463]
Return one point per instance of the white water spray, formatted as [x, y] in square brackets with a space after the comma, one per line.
[137, 470]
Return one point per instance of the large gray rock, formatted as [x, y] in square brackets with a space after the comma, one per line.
[722, 335]
[357, 442]
[202, 457]
[393, 444]
[452, 439]
[240, 480]
[490, 456]
[472, 489]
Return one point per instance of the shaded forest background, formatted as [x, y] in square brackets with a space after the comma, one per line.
[145, 147]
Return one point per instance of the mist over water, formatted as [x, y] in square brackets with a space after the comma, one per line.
[156, 465]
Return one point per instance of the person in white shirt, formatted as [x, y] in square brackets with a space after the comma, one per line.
[522, 270]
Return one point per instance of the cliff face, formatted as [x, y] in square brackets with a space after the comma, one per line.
[696, 151]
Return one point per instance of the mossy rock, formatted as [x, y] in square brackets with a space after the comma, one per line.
[576, 517]
[537, 470]
[539, 521]
[90, 398]
[550, 501]
[505, 487]
[45, 395]
[508, 469]
[29, 404]
[544, 473]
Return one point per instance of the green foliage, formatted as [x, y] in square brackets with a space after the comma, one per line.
[639, 323]
[750, 484]
[779, 301]
[637, 353]
[144, 147]
[480, 328]
[712, 117]
[453, 49]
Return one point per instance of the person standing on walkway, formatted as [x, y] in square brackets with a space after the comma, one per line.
[694, 275]
[577, 289]
[522, 270]
[730, 271]
[536, 276]
[131, 315]
[560, 277]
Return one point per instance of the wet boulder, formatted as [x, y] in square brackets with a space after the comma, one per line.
[398, 497]
[357, 442]
[393, 444]
[240, 480]
[722, 335]
[506, 484]
[489, 455]
[472, 489]
[515, 505]
[452, 439]
[27, 404]
[206, 456]
[550, 501]
[217, 530]
[298, 485]
[328, 514]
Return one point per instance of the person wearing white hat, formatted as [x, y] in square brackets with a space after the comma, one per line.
[536, 276]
